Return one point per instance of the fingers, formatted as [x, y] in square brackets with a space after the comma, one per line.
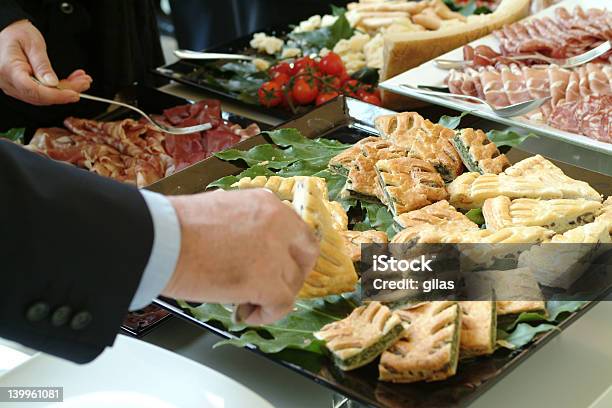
[27, 90]
[304, 250]
[78, 81]
[36, 51]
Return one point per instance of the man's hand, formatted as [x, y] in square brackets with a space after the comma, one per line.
[242, 247]
[23, 54]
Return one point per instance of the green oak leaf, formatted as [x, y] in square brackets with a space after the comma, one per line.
[475, 215]
[452, 122]
[15, 135]
[508, 137]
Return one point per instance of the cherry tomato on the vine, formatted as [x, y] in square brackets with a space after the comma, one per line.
[281, 78]
[325, 96]
[300, 63]
[371, 98]
[331, 83]
[351, 88]
[304, 91]
[283, 68]
[270, 94]
[331, 64]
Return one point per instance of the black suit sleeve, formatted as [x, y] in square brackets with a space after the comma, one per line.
[73, 247]
[11, 12]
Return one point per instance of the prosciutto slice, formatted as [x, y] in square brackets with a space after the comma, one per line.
[135, 152]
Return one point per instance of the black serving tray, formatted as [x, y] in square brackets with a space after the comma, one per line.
[193, 72]
[349, 120]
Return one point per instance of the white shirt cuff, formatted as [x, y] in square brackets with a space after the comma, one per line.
[164, 252]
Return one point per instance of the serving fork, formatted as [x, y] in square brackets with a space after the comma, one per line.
[159, 126]
[571, 62]
[509, 111]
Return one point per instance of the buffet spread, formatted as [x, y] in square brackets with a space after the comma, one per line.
[417, 182]
[382, 177]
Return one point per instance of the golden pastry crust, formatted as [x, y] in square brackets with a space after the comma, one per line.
[478, 328]
[363, 330]
[362, 176]
[402, 128]
[341, 163]
[435, 147]
[470, 190]
[433, 214]
[456, 233]
[283, 187]
[479, 154]
[354, 239]
[558, 215]
[433, 233]
[333, 272]
[513, 307]
[409, 184]
[533, 165]
[430, 346]
[339, 216]
[593, 233]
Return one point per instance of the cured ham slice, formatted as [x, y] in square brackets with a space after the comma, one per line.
[579, 96]
[135, 152]
[591, 116]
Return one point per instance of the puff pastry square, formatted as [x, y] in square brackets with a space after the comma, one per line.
[283, 187]
[478, 153]
[435, 147]
[362, 177]
[334, 272]
[478, 328]
[362, 336]
[470, 190]
[433, 214]
[402, 128]
[558, 215]
[354, 239]
[341, 163]
[429, 349]
[409, 184]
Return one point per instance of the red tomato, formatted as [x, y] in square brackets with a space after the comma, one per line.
[331, 64]
[304, 91]
[283, 68]
[325, 96]
[280, 78]
[373, 99]
[332, 83]
[351, 87]
[303, 62]
[344, 77]
[270, 94]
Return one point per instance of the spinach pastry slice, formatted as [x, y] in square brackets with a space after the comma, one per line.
[478, 153]
[362, 181]
[558, 215]
[429, 348]
[478, 328]
[433, 214]
[341, 163]
[334, 272]
[470, 190]
[283, 187]
[362, 336]
[401, 128]
[409, 184]
[354, 240]
[435, 147]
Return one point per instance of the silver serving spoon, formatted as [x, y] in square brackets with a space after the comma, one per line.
[571, 62]
[189, 54]
[509, 111]
[159, 126]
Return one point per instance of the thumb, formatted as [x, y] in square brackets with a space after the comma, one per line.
[39, 61]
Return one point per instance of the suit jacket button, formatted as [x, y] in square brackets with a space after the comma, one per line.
[60, 316]
[81, 320]
[37, 311]
[66, 8]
